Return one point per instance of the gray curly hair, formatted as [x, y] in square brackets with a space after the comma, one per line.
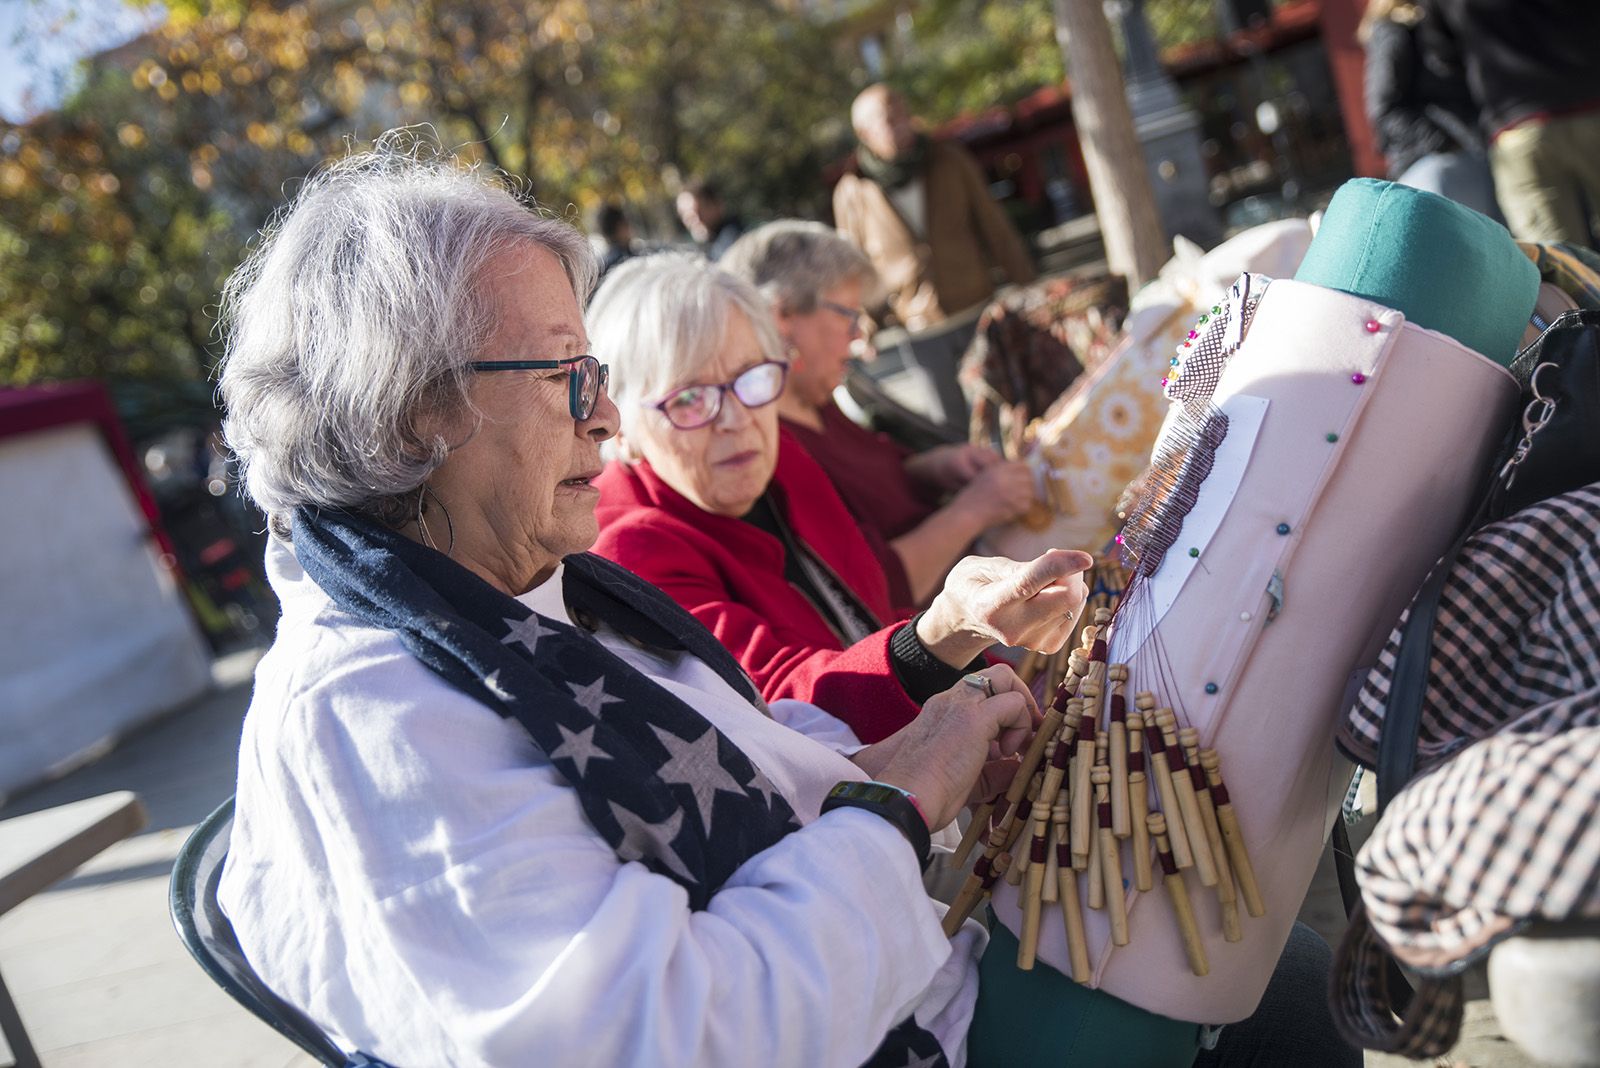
[793, 262]
[357, 314]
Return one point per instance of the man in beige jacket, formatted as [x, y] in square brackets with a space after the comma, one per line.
[921, 211]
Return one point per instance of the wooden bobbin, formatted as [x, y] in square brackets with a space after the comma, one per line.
[1096, 869]
[1056, 756]
[1138, 802]
[1052, 889]
[1118, 730]
[1067, 892]
[1192, 826]
[1033, 895]
[1030, 764]
[1227, 897]
[1178, 895]
[1161, 774]
[973, 834]
[1110, 859]
[1082, 787]
[972, 890]
[1014, 841]
[1232, 836]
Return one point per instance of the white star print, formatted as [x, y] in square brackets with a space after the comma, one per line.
[640, 839]
[763, 786]
[914, 1061]
[578, 748]
[527, 631]
[593, 696]
[694, 764]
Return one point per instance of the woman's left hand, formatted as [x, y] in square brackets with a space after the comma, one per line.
[950, 467]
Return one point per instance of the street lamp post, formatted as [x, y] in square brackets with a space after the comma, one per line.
[1168, 131]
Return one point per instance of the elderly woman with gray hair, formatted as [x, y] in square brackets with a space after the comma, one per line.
[816, 283]
[721, 508]
[499, 800]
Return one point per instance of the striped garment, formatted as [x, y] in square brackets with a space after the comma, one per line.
[1499, 829]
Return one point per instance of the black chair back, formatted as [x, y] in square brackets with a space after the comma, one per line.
[209, 938]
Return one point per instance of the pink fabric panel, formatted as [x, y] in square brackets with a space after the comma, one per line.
[1368, 514]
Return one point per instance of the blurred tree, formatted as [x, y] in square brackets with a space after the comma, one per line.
[971, 54]
[109, 252]
[121, 213]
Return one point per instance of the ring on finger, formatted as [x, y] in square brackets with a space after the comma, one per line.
[979, 682]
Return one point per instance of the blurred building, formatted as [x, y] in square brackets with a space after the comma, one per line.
[1280, 125]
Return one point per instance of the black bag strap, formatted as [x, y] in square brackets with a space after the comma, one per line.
[1408, 684]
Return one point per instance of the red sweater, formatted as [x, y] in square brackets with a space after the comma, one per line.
[729, 575]
[869, 471]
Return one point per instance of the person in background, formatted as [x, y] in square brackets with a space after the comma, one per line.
[920, 511]
[1531, 67]
[617, 233]
[920, 209]
[713, 228]
[709, 498]
[1420, 108]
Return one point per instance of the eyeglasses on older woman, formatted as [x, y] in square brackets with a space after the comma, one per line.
[696, 406]
[586, 377]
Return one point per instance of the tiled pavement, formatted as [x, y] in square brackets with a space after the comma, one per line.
[101, 981]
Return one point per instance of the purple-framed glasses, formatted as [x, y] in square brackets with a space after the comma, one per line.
[696, 406]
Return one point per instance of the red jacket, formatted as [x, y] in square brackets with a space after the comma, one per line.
[729, 575]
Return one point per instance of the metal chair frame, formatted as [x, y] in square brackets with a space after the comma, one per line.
[208, 936]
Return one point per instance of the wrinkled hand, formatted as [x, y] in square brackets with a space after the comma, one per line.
[951, 467]
[999, 493]
[963, 745]
[986, 600]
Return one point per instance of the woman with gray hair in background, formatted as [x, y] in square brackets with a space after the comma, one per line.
[500, 802]
[721, 508]
[920, 512]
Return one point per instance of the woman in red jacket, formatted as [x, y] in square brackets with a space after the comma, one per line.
[726, 513]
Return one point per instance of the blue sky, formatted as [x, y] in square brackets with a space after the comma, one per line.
[42, 40]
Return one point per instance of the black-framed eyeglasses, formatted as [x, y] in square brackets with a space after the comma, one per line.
[586, 377]
[696, 406]
[851, 315]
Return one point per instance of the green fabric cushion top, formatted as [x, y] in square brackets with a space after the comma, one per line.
[1442, 265]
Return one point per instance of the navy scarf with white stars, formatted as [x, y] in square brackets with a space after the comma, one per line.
[657, 780]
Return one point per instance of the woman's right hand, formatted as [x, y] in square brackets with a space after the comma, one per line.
[999, 493]
[989, 600]
[958, 747]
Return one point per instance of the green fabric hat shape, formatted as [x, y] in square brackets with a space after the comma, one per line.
[1442, 265]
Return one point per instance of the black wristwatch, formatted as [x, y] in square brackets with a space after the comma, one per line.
[898, 806]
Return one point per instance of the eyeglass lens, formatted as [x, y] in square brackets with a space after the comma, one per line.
[588, 376]
[696, 406]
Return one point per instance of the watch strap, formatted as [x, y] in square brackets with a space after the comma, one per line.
[890, 802]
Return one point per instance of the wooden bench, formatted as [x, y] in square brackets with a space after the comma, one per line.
[40, 849]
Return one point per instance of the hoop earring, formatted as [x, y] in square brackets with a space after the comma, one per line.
[423, 493]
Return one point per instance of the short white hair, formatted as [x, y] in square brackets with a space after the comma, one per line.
[793, 262]
[357, 314]
[656, 321]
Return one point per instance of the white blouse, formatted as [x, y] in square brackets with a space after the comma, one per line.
[411, 871]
